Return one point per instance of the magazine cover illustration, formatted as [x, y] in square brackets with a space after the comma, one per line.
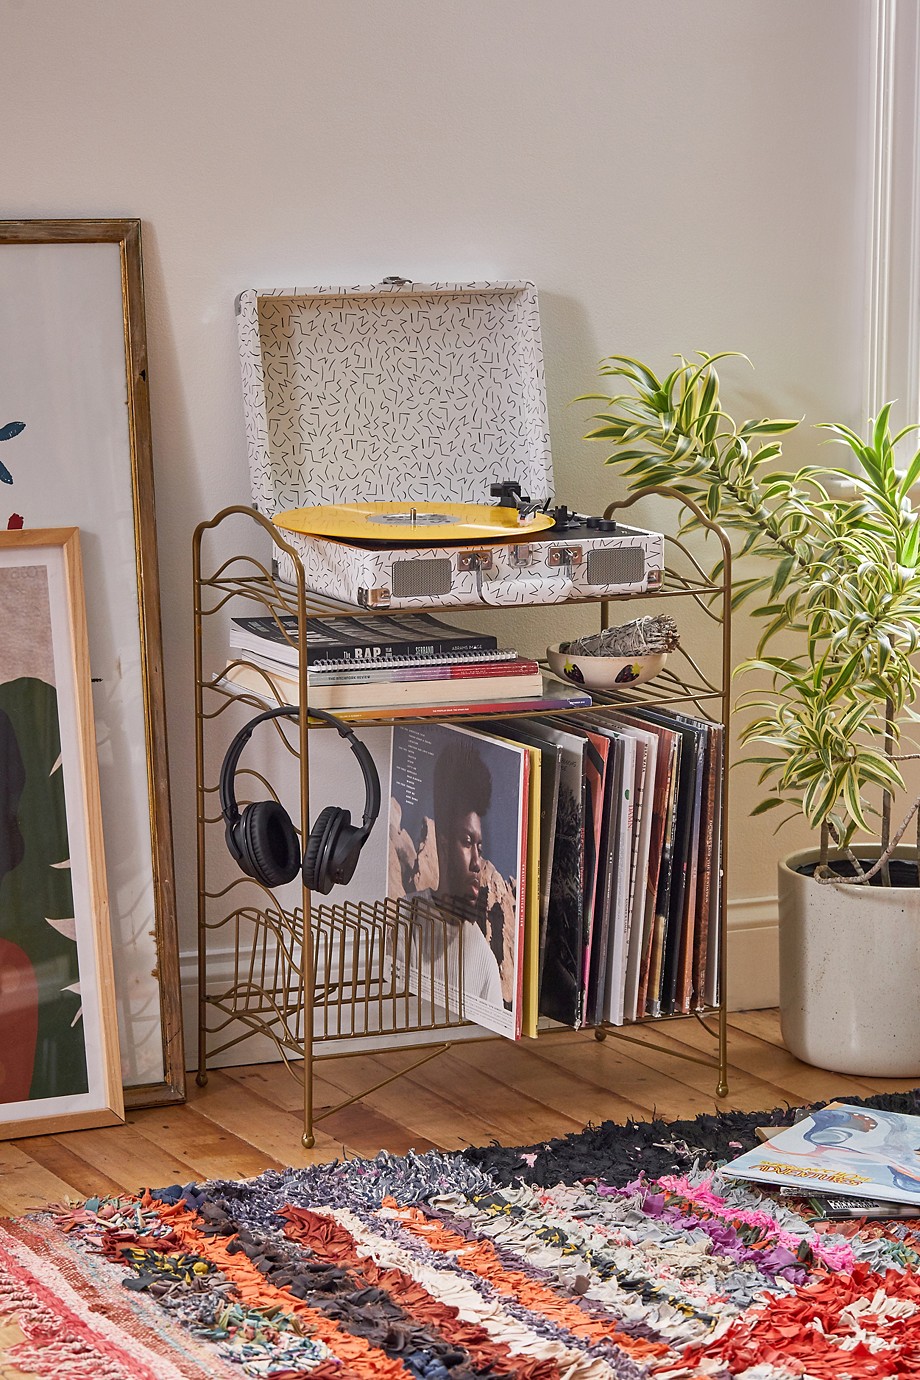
[457, 839]
[861, 1151]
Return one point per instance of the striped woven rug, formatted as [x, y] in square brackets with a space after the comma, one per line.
[616, 1253]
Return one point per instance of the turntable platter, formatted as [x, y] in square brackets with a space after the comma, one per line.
[425, 523]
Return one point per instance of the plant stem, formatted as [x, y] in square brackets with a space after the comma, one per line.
[825, 845]
[865, 877]
[886, 795]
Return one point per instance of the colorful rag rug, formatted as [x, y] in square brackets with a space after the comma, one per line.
[616, 1254]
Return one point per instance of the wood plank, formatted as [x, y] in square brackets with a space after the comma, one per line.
[187, 1131]
[577, 1093]
[130, 1159]
[257, 1119]
[275, 1082]
[30, 1186]
[765, 1025]
[85, 1179]
[652, 1081]
[26, 1184]
[360, 1129]
[251, 1114]
[477, 1082]
[682, 1083]
[424, 1113]
[797, 1082]
[368, 1131]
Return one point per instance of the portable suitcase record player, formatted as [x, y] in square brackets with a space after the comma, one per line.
[399, 556]
[380, 419]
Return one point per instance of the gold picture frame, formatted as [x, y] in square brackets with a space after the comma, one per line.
[60, 1069]
[76, 419]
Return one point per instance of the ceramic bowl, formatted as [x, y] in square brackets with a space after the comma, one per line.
[604, 672]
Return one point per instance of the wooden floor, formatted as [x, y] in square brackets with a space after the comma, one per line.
[249, 1119]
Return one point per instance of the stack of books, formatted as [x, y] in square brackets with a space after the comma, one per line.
[416, 664]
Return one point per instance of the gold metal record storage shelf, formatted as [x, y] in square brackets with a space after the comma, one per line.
[280, 975]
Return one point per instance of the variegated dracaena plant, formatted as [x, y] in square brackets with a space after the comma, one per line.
[844, 579]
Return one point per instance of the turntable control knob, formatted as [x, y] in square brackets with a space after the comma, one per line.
[607, 525]
[593, 522]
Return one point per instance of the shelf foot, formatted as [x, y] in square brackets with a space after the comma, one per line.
[201, 1078]
[600, 1034]
[307, 1142]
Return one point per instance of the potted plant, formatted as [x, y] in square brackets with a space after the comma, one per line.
[833, 556]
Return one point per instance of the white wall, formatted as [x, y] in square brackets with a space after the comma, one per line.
[673, 177]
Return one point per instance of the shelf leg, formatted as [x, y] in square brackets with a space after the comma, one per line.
[722, 1088]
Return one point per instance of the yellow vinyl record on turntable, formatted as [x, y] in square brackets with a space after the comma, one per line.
[425, 523]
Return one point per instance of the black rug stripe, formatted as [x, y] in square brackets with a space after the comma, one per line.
[618, 1153]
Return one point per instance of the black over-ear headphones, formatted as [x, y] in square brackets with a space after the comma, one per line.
[263, 840]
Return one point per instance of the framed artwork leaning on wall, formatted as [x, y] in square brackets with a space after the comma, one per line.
[59, 1063]
[75, 450]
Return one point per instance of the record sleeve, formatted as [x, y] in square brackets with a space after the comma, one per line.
[708, 876]
[661, 847]
[642, 898]
[525, 731]
[458, 816]
[563, 964]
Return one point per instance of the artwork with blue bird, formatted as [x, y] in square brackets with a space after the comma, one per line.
[7, 433]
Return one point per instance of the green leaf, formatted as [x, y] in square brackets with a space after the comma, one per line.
[853, 801]
[780, 579]
[632, 369]
[769, 804]
[769, 427]
[621, 457]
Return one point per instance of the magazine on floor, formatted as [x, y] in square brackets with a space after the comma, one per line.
[458, 824]
[858, 1151]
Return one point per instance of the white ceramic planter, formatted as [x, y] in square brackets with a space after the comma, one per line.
[849, 971]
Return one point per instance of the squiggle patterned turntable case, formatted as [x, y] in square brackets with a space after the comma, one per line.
[630, 562]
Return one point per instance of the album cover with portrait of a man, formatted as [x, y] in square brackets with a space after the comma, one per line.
[458, 804]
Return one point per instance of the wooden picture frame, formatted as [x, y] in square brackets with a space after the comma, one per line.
[76, 450]
[60, 1069]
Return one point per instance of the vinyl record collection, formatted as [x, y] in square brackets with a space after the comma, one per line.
[617, 916]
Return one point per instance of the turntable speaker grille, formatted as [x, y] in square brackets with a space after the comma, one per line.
[616, 565]
[418, 578]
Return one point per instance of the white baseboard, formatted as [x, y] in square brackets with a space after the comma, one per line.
[753, 953]
[753, 983]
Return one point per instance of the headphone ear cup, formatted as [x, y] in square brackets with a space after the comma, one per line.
[316, 873]
[345, 852]
[270, 845]
[234, 836]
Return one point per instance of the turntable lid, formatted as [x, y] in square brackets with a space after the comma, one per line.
[414, 392]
